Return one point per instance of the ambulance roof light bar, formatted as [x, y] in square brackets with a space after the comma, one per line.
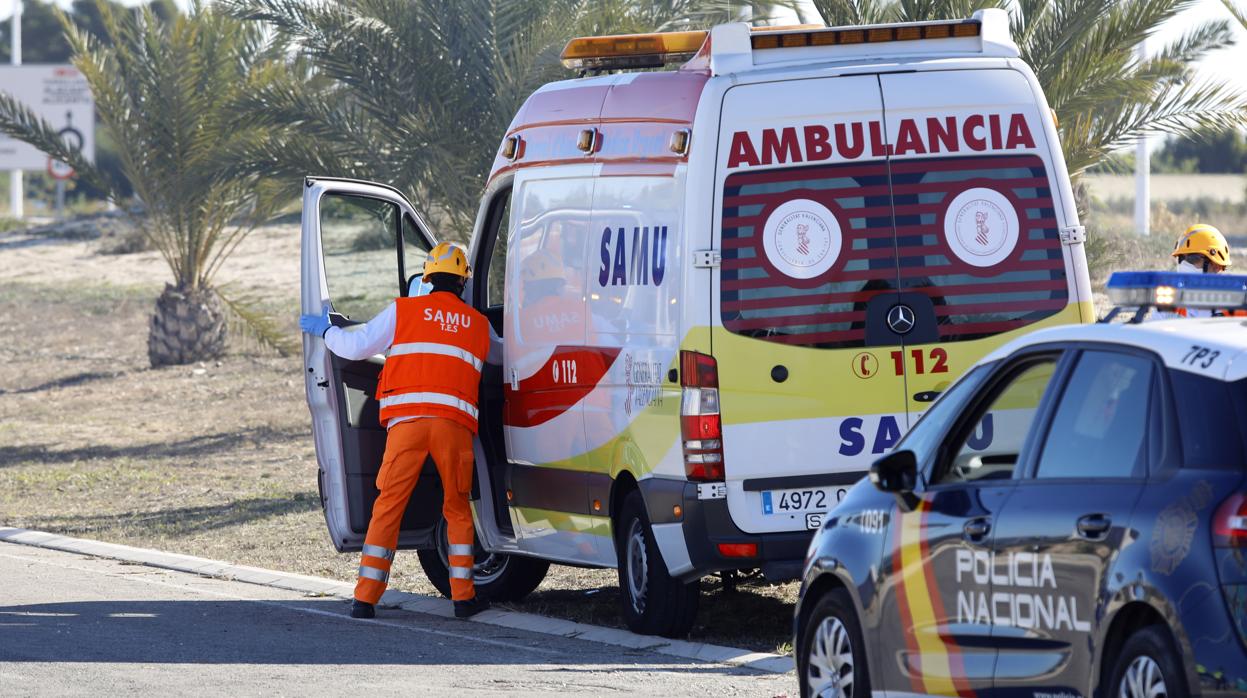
[631, 50]
[1166, 290]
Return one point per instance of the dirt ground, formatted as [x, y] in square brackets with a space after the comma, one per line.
[213, 460]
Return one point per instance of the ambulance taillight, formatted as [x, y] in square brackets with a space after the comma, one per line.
[700, 423]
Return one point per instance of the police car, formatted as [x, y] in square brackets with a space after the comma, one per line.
[1067, 519]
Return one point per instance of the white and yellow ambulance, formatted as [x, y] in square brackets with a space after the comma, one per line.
[720, 291]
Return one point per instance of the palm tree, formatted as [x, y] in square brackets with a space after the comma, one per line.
[1083, 53]
[168, 91]
[1240, 13]
[417, 93]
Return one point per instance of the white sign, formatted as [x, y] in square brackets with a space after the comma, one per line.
[981, 227]
[59, 94]
[802, 238]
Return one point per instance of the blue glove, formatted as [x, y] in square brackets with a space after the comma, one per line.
[316, 324]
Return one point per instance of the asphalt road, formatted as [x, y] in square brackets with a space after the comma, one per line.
[74, 625]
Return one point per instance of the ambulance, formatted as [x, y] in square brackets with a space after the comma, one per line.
[726, 270]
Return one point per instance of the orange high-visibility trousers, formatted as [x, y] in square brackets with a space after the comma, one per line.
[406, 447]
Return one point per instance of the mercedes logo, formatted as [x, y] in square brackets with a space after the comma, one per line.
[901, 319]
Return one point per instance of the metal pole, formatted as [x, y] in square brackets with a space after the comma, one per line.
[16, 207]
[1142, 172]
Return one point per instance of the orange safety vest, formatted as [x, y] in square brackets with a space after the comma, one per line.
[433, 368]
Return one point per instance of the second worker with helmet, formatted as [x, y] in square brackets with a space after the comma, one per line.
[437, 345]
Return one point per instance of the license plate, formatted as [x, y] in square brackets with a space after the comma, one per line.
[794, 502]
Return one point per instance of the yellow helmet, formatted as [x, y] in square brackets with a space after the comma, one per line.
[1204, 240]
[447, 258]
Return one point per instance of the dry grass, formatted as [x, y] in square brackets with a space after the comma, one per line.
[216, 460]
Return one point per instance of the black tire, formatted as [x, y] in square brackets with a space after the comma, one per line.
[499, 577]
[653, 602]
[1148, 657]
[832, 622]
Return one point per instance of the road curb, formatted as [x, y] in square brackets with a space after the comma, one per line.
[419, 603]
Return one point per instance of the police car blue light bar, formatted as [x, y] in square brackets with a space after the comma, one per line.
[1168, 289]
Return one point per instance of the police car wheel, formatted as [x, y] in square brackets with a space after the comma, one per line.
[654, 603]
[497, 577]
[832, 660]
[1148, 666]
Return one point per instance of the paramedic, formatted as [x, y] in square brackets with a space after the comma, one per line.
[1202, 249]
[428, 394]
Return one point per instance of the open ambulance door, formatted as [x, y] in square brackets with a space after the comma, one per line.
[362, 244]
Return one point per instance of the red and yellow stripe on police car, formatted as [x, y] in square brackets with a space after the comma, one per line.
[935, 665]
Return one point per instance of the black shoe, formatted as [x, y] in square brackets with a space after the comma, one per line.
[471, 607]
[359, 609]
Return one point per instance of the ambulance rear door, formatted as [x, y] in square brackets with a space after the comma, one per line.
[976, 184]
[362, 244]
[809, 395]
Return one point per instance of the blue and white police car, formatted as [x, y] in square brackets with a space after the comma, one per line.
[1067, 519]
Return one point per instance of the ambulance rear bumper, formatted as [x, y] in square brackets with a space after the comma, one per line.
[705, 524]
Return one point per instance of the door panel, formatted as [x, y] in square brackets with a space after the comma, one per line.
[941, 548]
[353, 262]
[977, 220]
[1064, 528]
[546, 367]
[807, 276]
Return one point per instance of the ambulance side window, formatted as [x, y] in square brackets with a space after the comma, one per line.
[359, 239]
[991, 449]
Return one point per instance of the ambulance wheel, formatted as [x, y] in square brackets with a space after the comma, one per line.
[831, 659]
[497, 577]
[654, 603]
[1147, 667]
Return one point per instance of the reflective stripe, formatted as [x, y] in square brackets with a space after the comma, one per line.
[378, 551]
[461, 549]
[374, 573]
[436, 348]
[431, 399]
[460, 572]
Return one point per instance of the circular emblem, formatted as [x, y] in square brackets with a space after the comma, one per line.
[901, 319]
[865, 365]
[801, 239]
[981, 227]
[1172, 536]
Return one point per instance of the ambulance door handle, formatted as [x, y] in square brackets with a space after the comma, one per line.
[976, 530]
[1094, 526]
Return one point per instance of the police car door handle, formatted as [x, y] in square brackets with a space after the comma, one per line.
[1094, 525]
[977, 529]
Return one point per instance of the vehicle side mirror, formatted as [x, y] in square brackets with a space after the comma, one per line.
[897, 473]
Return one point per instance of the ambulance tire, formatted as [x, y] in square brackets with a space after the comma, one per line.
[1148, 662]
[505, 578]
[832, 625]
[653, 602]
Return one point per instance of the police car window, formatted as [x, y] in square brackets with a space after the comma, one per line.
[924, 437]
[1210, 426]
[358, 237]
[1099, 428]
[992, 448]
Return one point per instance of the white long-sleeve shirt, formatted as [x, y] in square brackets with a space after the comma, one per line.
[359, 342]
